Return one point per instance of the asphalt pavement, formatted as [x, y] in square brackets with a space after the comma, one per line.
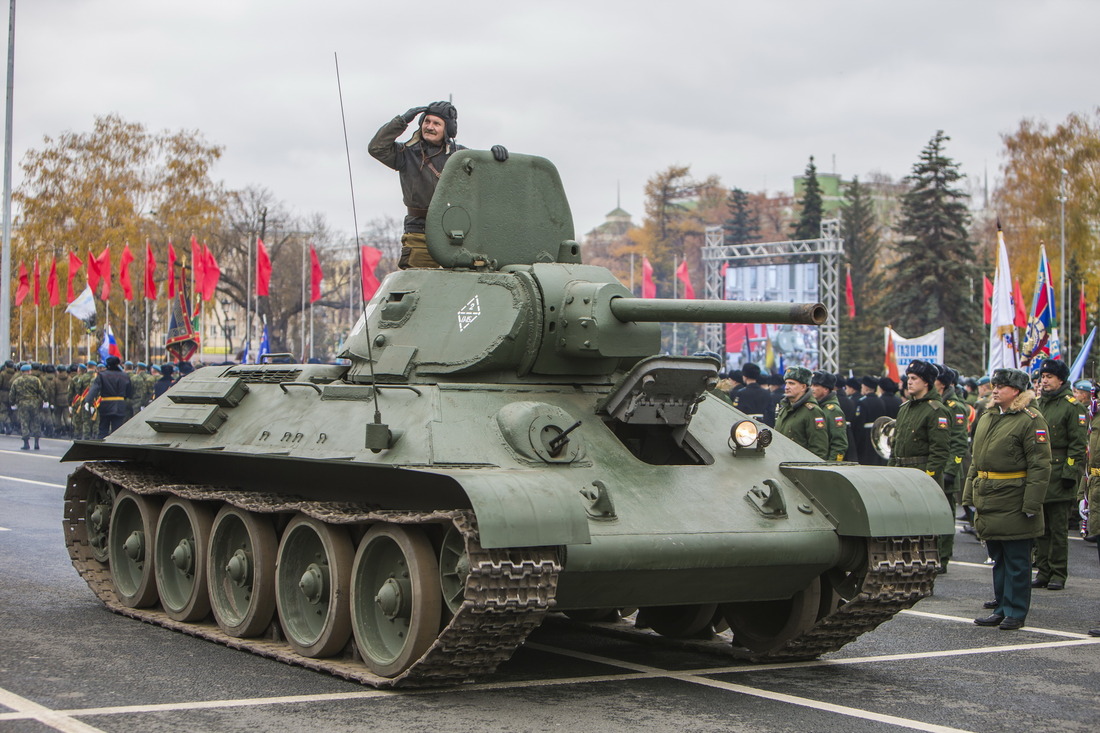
[66, 663]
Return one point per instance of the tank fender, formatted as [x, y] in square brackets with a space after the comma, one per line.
[518, 509]
[874, 501]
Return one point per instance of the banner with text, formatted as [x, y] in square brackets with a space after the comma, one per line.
[928, 347]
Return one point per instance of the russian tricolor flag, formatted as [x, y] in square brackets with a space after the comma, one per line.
[109, 347]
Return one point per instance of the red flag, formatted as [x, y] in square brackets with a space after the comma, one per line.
[369, 258]
[103, 268]
[37, 282]
[649, 289]
[987, 300]
[1083, 311]
[198, 267]
[213, 273]
[53, 288]
[891, 362]
[24, 286]
[1020, 321]
[93, 271]
[75, 263]
[850, 293]
[124, 272]
[150, 272]
[316, 276]
[171, 270]
[263, 268]
[682, 276]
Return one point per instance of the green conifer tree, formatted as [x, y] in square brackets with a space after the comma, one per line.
[861, 337]
[743, 224]
[809, 221]
[933, 282]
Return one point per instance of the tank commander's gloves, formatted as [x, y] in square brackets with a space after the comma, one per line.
[500, 153]
[412, 113]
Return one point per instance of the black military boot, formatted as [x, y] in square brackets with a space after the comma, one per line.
[26, 444]
[36, 444]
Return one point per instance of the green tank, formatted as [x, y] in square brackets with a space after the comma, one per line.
[504, 442]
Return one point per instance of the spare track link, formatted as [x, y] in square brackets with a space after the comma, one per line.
[508, 591]
[900, 572]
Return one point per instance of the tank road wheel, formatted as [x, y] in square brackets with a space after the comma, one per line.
[311, 586]
[240, 568]
[98, 518]
[763, 626]
[454, 568]
[183, 538]
[678, 622]
[130, 548]
[396, 604]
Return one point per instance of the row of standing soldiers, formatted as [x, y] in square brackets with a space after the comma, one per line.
[52, 400]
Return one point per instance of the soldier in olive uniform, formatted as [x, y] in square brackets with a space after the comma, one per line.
[59, 402]
[82, 417]
[143, 386]
[822, 386]
[1005, 484]
[958, 446]
[798, 415]
[922, 436]
[1067, 421]
[7, 376]
[28, 394]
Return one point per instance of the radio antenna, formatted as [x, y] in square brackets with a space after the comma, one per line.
[377, 437]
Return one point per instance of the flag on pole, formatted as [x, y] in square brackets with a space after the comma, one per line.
[109, 347]
[649, 288]
[103, 271]
[93, 272]
[315, 276]
[849, 292]
[53, 288]
[1082, 311]
[75, 263]
[24, 286]
[263, 268]
[171, 270]
[37, 281]
[212, 273]
[370, 258]
[265, 344]
[182, 341]
[198, 267]
[83, 307]
[1042, 334]
[1002, 333]
[150, 272]
[124, 273]
[1078, 367]
[987, 299]
[1018, 303]
[890, 365]
[682, 276]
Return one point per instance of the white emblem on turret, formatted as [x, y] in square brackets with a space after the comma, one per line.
[469, 312]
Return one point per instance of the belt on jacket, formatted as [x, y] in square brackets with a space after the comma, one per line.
[110, 399]
[1059, 452]
[417, 212]
[1002, 475]
[911, 461]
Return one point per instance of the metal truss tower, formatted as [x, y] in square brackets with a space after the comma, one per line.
[826, 252]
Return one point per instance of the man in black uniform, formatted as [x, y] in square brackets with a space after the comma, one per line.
[848, 407]
[890, 399]
[754, 400]
[868, 409]
[112, 387]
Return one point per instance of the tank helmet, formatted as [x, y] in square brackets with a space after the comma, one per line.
[1010, 378]
[925, 370]
[446, 112]
[1057, 367]
[799, 374]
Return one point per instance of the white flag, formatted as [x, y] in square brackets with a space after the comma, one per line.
[1002, 332]
[84, 305]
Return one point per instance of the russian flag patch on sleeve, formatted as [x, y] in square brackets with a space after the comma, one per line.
[942, 422]
[1041, 436]
[819, 422]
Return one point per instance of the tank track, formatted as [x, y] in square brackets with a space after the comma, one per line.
[508, 592]
[900, 572]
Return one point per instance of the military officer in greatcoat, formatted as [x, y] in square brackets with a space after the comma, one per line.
[798, 415]
[113, 389]
[822, 386]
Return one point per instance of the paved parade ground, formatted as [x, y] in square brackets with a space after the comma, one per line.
[66, 663]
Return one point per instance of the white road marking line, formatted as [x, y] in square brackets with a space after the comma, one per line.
[29, 481]
[52, 718]
[32, 454]
[1033, 629]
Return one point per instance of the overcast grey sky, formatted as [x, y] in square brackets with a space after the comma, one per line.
[611, 92]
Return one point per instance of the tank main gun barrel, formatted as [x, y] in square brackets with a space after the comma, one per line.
[670, 310]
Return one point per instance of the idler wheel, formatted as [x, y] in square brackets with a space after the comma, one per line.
[763, 626]
[312, 586]
[454, 568]
[241, 571]
[396, 599]
[130, 545]
[183, 536]
[678, 622]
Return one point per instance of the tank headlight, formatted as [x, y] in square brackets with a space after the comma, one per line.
[745, 433]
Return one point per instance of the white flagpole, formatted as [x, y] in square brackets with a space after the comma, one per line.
[53, 340]
[248, 307]
[302, 313]
[126, 330]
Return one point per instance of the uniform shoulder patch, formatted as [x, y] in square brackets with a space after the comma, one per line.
[941, 422]
[830, 407]
[819, 422]
[1071, 399]
[951, 403]
[1040, 436]
[1082, 419]
[1031, 412]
